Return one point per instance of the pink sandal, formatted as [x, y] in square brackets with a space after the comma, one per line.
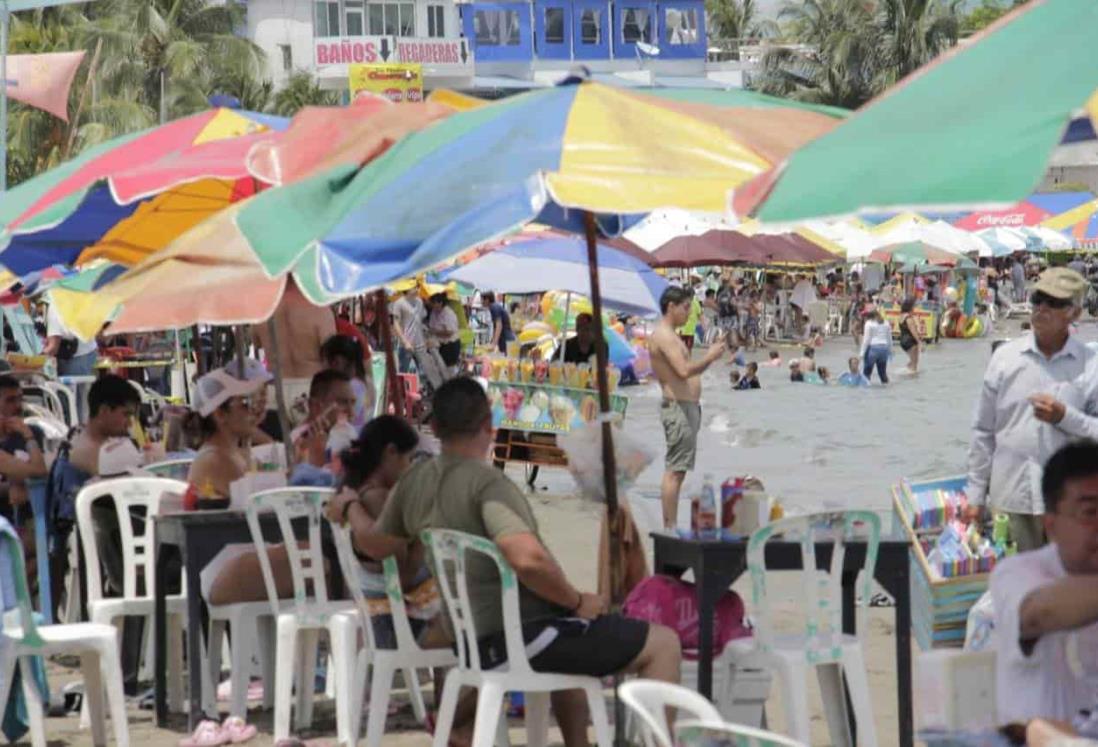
[237, 731]
[206, 734]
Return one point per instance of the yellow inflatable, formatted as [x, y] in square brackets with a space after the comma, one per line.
[974, 328]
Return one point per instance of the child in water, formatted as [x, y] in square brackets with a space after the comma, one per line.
[808, 362]
[824, 374]
[734, 378]
[750, 379]
[854, 376]
[795, 373]
[775, 359]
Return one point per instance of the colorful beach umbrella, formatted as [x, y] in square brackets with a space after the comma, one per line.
[915, 253]
[1080, 223]
[127, 197]
[209, 274]
[1009, 99]
[547, 155]
[559, 263]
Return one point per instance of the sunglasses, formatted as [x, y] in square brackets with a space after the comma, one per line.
[1039, 299]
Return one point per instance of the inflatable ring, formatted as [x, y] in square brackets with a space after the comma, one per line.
[953, 322]
[974, 328]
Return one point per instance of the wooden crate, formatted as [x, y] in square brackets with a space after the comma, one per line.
[939, 607]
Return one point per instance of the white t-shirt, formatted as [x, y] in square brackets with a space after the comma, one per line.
[56, 328]
[1059, 676]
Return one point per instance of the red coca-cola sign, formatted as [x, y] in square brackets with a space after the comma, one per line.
[1022, 214]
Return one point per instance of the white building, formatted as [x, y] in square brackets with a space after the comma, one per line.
[324, 36]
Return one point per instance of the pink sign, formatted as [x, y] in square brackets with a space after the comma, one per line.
[1022, 214]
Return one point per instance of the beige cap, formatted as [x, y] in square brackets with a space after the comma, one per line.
[1061, 282]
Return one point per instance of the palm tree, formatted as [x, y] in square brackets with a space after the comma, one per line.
[173, 50]
[851, 50]
[913, 32]
[737, 19]
[836, 59]
[301, 90]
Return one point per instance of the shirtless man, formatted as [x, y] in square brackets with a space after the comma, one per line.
[680, 382]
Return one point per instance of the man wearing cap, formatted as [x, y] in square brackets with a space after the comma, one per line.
[1039, 392]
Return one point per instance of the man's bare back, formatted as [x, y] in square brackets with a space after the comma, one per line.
[666, 346]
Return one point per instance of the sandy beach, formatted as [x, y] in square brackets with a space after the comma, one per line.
[844, 451]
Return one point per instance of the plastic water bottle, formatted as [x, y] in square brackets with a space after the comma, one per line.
[708, 528]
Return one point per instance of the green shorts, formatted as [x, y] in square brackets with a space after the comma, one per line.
[681, 423]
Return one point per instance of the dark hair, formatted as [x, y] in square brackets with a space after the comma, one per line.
[111, 391]
[752, 366]
[438, 297]
[1072, 462]
[460, 408]
[710, 293]
[344, 346]
[488, 297]
[363, 456]
[322, 382]
[673, 295]
[907, 305]
[809, 353]
[9, 382]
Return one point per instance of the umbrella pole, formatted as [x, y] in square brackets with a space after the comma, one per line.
[564, 325]
[609, 465]
[393, 384]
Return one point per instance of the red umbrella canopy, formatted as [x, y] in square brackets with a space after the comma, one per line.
[722, 247]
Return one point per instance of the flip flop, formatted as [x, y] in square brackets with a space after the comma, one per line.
[237, 731]
[206, 734]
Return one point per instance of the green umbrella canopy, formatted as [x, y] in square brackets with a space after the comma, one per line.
[974, 128]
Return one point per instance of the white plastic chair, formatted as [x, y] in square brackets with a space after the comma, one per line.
[298, 621]
[132, 495]
[448, 550]
[723, 734]
[649, 700]
[95, 644]
[823, 645]
[252, 629]
[351, 662]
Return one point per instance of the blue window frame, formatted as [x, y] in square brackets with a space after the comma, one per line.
[634, 22]
[499, 31]
[553, 27]
[682, 29]
[590, 30]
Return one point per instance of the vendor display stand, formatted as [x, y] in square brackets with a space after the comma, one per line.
[528, 416]
[940, 603]
[927, 316]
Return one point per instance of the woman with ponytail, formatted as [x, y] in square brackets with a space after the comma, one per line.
[372, 465]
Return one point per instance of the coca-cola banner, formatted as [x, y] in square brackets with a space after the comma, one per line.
[1022, 214]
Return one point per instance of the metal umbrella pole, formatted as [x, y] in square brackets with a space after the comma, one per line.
[609, 462]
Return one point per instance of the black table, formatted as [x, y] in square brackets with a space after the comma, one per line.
[199, 536]
[717, 565]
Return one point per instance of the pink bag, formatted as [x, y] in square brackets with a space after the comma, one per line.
[668, 601]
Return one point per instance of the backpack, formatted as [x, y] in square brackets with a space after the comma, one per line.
[63, 482]
[668, 601]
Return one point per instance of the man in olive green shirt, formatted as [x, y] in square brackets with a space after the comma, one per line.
[566, 630]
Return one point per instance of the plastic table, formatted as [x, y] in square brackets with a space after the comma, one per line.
[717, 565]
[199, 536]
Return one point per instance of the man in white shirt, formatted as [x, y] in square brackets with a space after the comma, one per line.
[74, 356]
[1046, 601]
[408, 326]
[1040, 392]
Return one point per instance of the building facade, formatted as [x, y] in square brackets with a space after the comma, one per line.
[485, 45]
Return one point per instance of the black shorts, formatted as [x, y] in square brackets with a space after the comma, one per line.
[450, 352]
[570, 645]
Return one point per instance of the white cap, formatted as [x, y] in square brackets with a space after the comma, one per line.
[219, 386]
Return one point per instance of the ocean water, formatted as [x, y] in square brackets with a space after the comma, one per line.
[817, 447]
